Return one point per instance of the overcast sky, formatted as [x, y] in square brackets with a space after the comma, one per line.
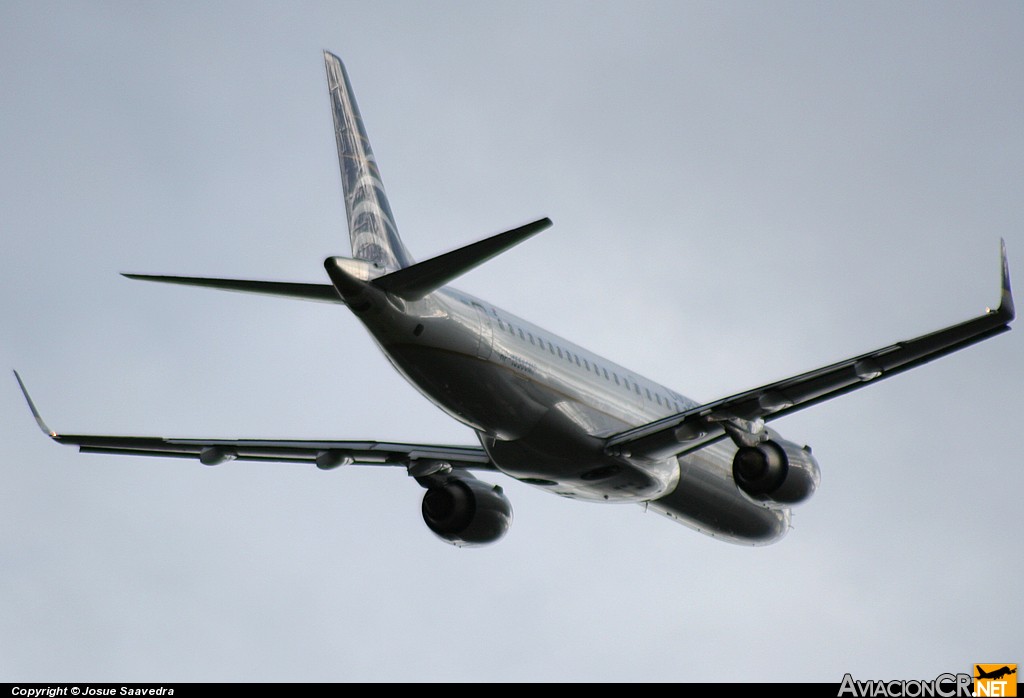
[740, 191]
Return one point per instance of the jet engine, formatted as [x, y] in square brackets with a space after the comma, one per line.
[776, 473]
[465, 511]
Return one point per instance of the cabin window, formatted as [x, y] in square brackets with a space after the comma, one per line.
[586, 365]
[559, 349]
[648, 391]
[636, 386]
[657, 396]
[576, 359]
[616, 377]
[605, 372]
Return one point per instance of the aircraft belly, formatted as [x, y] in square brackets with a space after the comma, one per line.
[531, 432]
[558, 456]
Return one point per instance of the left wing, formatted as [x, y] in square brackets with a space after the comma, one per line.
[742, 416]
[420, 459]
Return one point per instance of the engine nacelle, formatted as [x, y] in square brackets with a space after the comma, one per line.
[776, 473]
[465, 511]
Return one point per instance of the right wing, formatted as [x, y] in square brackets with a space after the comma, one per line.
[420, 459]
[742, 416]
[323, 293]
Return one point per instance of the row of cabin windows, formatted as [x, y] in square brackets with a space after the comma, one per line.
[583, 363]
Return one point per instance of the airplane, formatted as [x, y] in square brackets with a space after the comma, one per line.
[545, 411]
[996, 674]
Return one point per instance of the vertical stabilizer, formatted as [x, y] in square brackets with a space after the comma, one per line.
[371, 225]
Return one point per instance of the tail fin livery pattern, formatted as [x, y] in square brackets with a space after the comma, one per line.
[371, 225]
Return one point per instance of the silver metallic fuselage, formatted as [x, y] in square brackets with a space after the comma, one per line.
[546, 411]
[542, 406]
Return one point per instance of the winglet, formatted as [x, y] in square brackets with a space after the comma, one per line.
[35, 413]
[1006, 299]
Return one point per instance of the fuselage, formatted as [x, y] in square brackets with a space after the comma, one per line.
[542, 408]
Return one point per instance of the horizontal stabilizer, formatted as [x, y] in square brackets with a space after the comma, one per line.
[413, 283]
[323, 293]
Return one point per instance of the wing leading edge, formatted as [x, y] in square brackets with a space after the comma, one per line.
[419, 459]
[742, 415]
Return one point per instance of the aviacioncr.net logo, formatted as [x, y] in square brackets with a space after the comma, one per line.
[942, 686]
[995, 680]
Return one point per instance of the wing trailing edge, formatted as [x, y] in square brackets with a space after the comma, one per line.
[745, 413]
[326, 454]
